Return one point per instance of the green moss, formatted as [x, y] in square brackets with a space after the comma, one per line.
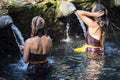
[14, 9]
[117, 3]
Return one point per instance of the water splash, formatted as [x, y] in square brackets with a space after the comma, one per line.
[67, 34]
[20, 65]
[81, 23]
[51, 60]
[17, 34]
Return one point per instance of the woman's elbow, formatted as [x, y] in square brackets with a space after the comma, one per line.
[80, 12]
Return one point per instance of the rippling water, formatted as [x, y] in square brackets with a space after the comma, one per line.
[67, 65]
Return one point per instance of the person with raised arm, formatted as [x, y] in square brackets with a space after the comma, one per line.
[97, 22]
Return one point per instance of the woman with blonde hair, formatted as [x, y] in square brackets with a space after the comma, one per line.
[37, 48]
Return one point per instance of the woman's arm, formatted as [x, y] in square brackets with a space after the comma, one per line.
[84, 15]
[26, 51]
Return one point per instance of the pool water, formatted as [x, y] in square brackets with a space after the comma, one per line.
[68, 65]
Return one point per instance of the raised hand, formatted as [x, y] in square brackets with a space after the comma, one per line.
[99, 13]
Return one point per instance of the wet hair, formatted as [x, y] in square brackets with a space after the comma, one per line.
[103, 21]
[37, 25]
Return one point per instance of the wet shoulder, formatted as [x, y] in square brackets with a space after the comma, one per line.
[28, 40]
[46, 37]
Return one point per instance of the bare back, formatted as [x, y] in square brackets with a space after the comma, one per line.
[41, 45]
[37, 45]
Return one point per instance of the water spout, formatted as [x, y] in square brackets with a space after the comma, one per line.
[67, 34]
[17, 34]
[81, 23]
[5, 20]
[20, 41]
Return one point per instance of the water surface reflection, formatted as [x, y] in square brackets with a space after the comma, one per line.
[68, 65]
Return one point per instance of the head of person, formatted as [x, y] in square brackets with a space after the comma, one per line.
[102, 20]
[37, 25]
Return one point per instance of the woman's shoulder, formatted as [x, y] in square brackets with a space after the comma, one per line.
[46, 37]
[29, 40]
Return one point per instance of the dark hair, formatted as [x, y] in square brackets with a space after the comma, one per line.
[38, 25]
[103, 20]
